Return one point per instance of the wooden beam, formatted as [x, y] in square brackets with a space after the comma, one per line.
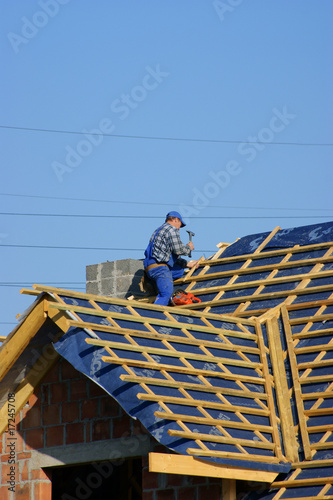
[174, 354]
[229, 489]
[187, 465]
[282, 391]
[124, 302]
[193, 387]
[28, 385]
[20, 338]
[164, 336]
[269, 392]
[180, 369]
[204, 404]
[162, 322]
[297, 384]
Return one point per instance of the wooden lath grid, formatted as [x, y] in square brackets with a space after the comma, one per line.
[310, 344]
[217, 366]
[249, 284]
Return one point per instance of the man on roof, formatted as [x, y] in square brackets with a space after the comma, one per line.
[162, 262]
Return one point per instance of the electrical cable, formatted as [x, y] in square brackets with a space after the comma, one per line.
[181, 139]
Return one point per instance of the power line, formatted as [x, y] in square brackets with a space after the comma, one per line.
[158, 217]
[157, 204]
[181, 139]
[84, 248]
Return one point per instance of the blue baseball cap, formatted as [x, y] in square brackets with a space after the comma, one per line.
[176, 214]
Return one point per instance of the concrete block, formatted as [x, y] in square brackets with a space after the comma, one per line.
[93, 287]
[107, 269]
[128, 266]
[92, 272]
[108, 287]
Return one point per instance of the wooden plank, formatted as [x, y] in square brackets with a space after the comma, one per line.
[20, 338]
[229, 491]
[164, 336]
[297, 384]
[316, 364]
[193, 387]
[27, 387]
[155, 321]
[271, 253]
[314, 348]
[269, 392]
[213, 421]
[172, 354]
[215, 438]
[237, 456]
[137, 304]
[312, 319]
[317, 395]
[264, 281]
[312, 333]
[264, 296]
[150, 365]
[282, 390]
[204, 404]
[298, 483]
[167, 463]
[262, 269]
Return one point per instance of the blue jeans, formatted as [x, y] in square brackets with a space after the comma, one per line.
[163, 276]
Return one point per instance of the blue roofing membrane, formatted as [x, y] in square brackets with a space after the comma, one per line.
[212, 377]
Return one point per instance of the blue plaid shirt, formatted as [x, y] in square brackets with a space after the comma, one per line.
[168, 242]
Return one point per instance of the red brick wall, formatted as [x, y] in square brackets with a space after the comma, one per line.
[68, 408]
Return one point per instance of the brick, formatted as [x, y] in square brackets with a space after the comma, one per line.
[52, 375]
[43, 490]
[70, 412]
[79, 390]
[150, 480]
[23, 455]
[23, 492]
[34, 438]
[75, 433]
[34, 400]
[187, 493]
[213, 492]
[122, 427]
[4, 493]
[149, 495]
[174, 479]
[89, 409]
[24, 472]
[51, 415]
[95, 390]
[39, 474]
[167, 495]
[138, 429]
[55, 435]
[45, 394]
[68, 371]
[20, 444]
[31, 418]
[110, 407]
[101, 430]
[58, 393]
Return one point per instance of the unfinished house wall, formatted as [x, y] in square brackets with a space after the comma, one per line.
[71, 421]
[118, 278]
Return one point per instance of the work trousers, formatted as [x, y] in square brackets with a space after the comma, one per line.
[163, 277]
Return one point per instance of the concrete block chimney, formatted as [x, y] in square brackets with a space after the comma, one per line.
[119, 278]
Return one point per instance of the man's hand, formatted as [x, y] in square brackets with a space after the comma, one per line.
[193, 263]
[190, 244]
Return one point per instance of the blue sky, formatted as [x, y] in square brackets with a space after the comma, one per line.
[128, 109]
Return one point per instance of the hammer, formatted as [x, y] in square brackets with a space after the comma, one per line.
[190, 234]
